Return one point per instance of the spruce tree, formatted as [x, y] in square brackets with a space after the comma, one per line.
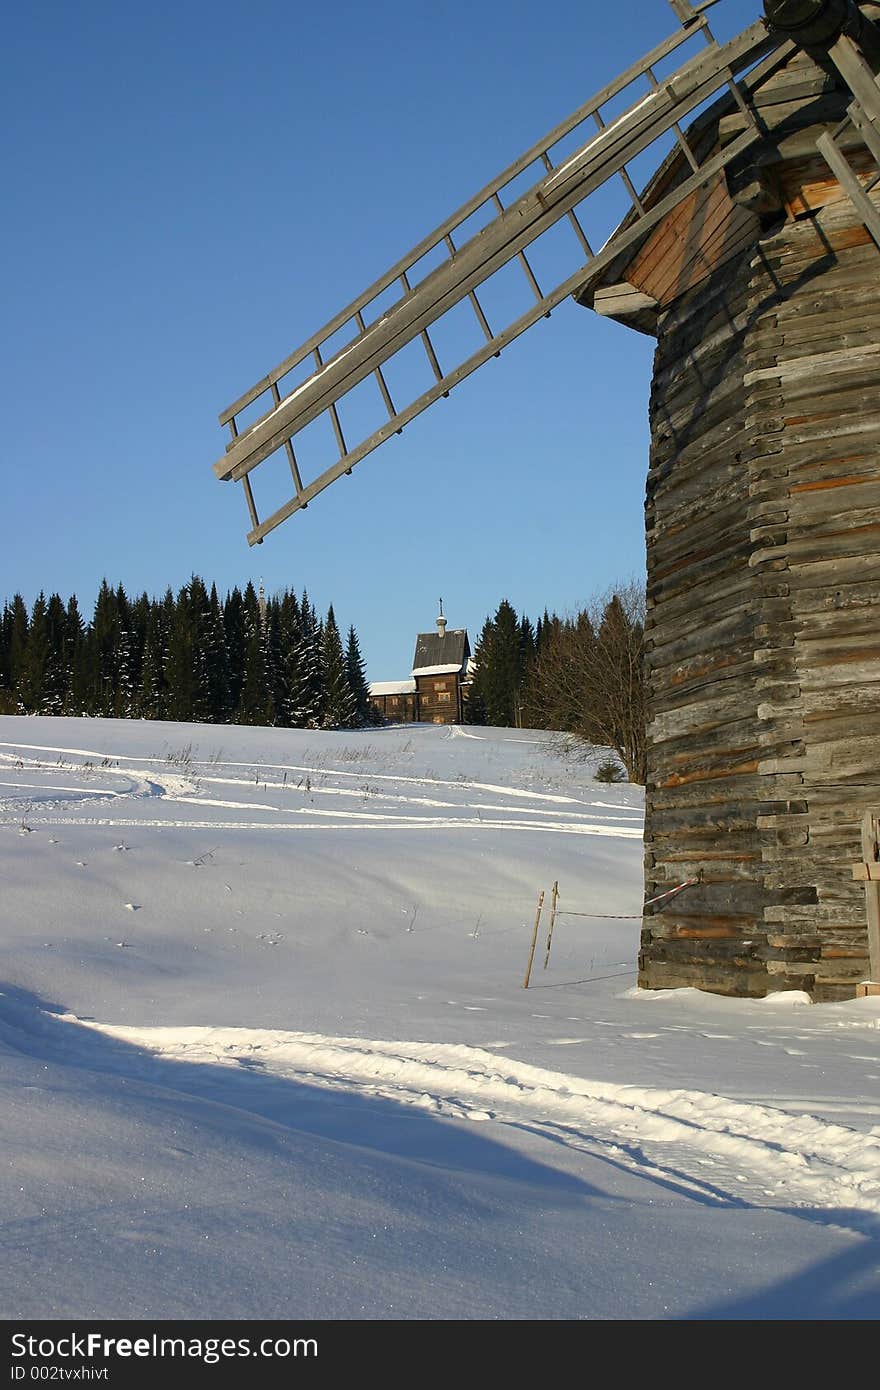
[199, 606]
[122, 704]
[364, 710]
[75, 654]
[6, 700]
[152, 691]
[528, 649]
[255, 701]
[56, 683]
[306, 689]
[288, 672]
[339, 706]
[233, 627]
[476, 711]
[499, 667]
[217, 657]
[32, 675]
[179, 667]
[270, 636]
[102, 650]
[18, 637]
[139, 621]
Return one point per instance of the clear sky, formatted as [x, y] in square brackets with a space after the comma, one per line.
[194, 188]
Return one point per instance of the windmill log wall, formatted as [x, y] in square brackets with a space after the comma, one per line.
[763, 631]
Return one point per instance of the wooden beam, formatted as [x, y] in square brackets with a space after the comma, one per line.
[755, 188]
[871, 860]
[868, 211]
[629, 305]
[866, 873]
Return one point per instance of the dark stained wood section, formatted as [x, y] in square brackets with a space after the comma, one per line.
[399, 708]
[440, 698]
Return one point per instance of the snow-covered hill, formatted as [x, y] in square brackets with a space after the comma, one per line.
[265, 1050]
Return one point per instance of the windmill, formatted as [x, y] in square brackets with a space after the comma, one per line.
[752, 255]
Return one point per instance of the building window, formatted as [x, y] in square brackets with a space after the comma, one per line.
[439, 685]
[394, 702]
[444, 697]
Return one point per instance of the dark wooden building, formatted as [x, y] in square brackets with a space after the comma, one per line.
[437, 689]
[396, 701]
[763, 546]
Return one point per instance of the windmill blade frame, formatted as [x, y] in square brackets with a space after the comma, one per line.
[372, 336]
[506, 238]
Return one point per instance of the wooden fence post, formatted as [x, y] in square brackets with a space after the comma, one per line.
[534, 939]
[869, 870]
[553, 899]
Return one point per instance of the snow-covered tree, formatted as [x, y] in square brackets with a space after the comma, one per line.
[340, 706]
[365, 712]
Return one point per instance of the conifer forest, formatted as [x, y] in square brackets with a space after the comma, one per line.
[193, 657]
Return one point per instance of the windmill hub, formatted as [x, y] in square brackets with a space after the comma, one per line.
[813, 23]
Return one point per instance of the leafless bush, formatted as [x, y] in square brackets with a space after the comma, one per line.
[587, 677]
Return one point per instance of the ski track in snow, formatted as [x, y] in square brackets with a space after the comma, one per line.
[711, 1147]
[709, 1144]
[391, 806]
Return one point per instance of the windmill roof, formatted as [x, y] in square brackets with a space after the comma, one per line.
[672, 170]
[793, 91]
[435, 654]
[703, 136]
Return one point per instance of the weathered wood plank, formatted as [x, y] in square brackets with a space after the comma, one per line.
[763, 524]
[870, 837]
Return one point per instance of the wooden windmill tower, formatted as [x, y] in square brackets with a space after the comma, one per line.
[753, 257]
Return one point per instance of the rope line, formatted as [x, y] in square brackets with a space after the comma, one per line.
[632, 916]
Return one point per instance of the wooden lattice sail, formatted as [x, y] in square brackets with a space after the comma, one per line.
[358, 344]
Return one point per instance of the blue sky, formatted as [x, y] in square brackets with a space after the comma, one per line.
[191, 190]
